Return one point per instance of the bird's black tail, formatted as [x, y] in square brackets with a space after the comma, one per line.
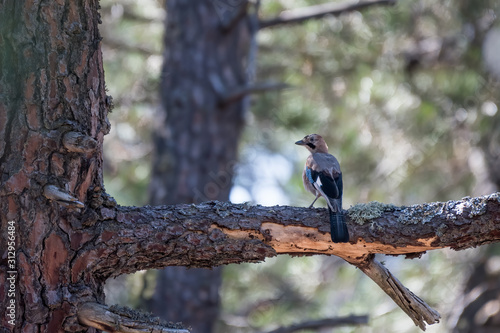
[338, 228]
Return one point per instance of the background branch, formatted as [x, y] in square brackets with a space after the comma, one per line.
[323, 323]
[318, 11]
[259, 87]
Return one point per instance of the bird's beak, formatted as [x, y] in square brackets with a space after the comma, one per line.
[300, 143]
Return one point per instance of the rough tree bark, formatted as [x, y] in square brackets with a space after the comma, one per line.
[53, 117]
[196, 142]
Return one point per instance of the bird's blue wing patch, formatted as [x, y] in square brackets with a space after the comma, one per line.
[309, 175]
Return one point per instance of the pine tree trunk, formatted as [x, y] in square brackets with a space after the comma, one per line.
[196, 142]
[52, 122]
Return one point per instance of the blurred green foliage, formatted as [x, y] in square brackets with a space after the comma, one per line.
[404, 100]
[132, 42]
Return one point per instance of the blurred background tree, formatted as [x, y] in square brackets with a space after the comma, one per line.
[406, 97]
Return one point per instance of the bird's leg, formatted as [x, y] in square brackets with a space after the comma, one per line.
[317, 196]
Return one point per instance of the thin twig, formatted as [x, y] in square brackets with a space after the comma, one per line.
[323, 323]
[126, 46]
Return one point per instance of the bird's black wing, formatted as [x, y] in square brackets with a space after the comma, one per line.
[340, 184]
[330, 186]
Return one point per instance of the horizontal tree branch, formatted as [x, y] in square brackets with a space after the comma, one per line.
[217, 233]
[318, 11]
[122, 320]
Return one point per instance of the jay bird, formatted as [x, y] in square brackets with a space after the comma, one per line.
[322, 177]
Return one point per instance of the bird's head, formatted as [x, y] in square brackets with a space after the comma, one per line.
[314, 143]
